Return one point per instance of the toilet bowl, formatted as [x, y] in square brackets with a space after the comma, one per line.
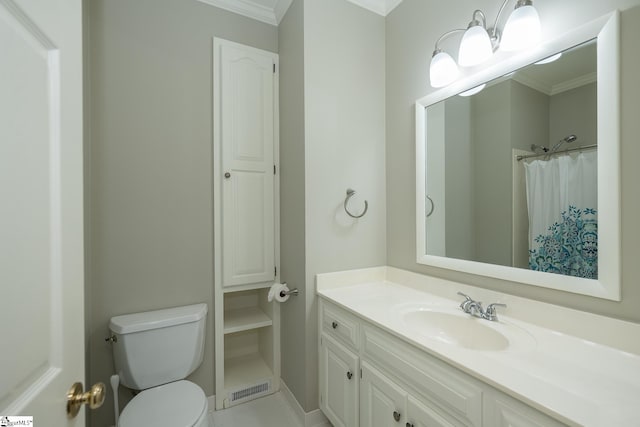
[153, 352]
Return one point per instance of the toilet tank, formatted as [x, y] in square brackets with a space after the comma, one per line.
[158, 347]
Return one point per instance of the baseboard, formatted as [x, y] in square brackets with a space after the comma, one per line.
[211, 402]
[307, 419]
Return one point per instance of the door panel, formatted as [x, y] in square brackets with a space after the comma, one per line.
[382, 403]
[419, 415]
[247, 103]
[338, 383]
[41, 223]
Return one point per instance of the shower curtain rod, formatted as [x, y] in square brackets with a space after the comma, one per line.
[568, 150]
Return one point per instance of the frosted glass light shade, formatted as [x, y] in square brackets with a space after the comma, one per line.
[443, 70]
[473, 90]
[475, 47]
[522, 29]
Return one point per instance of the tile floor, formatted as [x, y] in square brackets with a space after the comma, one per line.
[269, 411]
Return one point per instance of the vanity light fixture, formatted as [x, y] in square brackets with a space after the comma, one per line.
[473, 90]
[478, 43]
[550, 59]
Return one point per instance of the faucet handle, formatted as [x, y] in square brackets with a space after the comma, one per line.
[490, 312]
[465, 304]
[465, 295]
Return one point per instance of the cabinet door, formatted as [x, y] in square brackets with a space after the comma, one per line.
[338, 383]
[501, 410]
[245, 98]
[420, 415]
[382, 403]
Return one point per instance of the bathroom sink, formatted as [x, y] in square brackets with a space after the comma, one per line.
[465, 331]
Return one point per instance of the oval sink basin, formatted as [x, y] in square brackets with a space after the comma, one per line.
[463, 330]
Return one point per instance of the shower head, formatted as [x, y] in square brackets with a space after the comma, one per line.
[535, 147]
[567, 139]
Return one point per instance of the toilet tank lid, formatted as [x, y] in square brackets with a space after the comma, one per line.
[137, 322]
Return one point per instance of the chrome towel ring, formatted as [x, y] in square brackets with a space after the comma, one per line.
[433, 206]
[350, 193]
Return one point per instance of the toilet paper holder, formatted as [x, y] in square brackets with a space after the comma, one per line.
[293, 292]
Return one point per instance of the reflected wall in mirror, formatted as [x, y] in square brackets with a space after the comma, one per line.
[513, 171]
[475, 212]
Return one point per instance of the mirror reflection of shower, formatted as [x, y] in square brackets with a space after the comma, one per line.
[567, 139]
[537, 148]
[540, 149]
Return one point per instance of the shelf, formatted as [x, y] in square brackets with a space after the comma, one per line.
[245, 370]
[244, 319]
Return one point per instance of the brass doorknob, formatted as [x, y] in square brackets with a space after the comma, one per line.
[76, 398]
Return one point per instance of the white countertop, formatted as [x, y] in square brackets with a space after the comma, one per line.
[592, 381]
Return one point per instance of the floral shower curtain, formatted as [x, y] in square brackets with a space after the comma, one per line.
[563, 224]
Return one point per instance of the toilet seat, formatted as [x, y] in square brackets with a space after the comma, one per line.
[177, 404]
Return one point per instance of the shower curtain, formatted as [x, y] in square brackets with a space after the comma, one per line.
[563, 225]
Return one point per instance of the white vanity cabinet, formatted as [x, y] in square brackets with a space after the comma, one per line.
[371, 378]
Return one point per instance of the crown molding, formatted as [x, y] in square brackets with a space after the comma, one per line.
[273, 16]
[381, 7]
[253, 10]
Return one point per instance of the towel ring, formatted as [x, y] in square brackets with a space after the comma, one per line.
[433, 206]
[350, 193]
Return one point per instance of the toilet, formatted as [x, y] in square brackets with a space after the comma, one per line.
[154, 352]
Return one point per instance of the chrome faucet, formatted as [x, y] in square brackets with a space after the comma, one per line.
[490, 312]
[474, 308]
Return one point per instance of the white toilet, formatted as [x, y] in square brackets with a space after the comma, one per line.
[153, 352]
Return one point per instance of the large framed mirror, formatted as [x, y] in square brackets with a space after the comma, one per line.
[518, 165]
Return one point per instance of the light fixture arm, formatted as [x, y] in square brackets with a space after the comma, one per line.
[474, 21]
[494, 30]
[445, 35]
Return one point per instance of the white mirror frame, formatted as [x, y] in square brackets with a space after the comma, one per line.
[606, 30]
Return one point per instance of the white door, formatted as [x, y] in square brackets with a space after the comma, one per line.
[382, 403]
[245, 103]
[41, 209]
[339, 379]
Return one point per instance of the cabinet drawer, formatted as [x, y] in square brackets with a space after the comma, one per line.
[340, 324]
[456, 394]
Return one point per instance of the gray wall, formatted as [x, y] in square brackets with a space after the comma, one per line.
[344, 147]
[491, 117]
[149, 173]
[574, 112]
[459, 177]
[412, 28]
[292, 197]
[530, 117]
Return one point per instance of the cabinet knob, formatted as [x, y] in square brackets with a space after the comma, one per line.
[396, 415]
[349, 375]
[334, 325]
[227, 175]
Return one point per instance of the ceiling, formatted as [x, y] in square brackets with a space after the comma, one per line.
[576, 67]
[272, 11]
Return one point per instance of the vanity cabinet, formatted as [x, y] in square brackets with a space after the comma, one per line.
[371, 378]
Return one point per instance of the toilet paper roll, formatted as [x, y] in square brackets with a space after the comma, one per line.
[275, 290]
